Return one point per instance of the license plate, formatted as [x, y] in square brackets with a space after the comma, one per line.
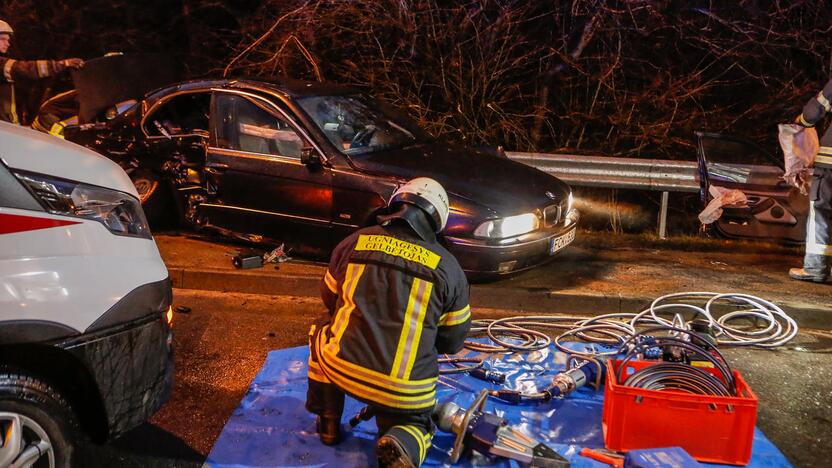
[560, 242]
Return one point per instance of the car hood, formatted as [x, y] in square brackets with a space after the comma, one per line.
[496, 182]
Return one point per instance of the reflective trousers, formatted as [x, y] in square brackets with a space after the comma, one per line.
[413, 431]
[818, 257]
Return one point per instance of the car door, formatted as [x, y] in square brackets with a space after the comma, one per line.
[257, 184]
[776, 211]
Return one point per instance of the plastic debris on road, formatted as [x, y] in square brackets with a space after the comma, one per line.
[271, 428]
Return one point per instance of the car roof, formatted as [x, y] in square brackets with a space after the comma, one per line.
[29, 150]
[299, 88]
[287, 87]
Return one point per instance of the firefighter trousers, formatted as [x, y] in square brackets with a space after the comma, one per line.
[818, 257]
[413, 430]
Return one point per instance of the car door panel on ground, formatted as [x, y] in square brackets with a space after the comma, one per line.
[257, 183]
[776, 211]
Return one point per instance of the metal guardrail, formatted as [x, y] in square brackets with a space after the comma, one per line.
[611, 172]
[623, 173]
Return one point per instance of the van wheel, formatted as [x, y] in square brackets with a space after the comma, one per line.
[153, 194]
[38, 426]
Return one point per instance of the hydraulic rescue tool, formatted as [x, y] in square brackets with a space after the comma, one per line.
[580, 371]
[475, 369]
[490, 434]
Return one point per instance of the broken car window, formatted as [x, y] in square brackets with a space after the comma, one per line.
[244, 126]
[186, 114]
[357, 124]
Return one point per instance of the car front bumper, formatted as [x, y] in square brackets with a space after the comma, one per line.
[487, 258]
[130, 361]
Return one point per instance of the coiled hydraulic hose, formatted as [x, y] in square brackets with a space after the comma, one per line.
[678, 377]
[515, 334]
[682, 376]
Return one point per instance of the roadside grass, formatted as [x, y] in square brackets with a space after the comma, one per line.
[686, 243]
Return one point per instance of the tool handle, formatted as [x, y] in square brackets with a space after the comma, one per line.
[617, 462]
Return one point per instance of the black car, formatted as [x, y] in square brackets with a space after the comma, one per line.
[309, 163]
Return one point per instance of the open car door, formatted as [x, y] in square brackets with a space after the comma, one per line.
[775, 212]
[106, 81]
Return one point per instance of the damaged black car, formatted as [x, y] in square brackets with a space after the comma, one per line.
[307, 164]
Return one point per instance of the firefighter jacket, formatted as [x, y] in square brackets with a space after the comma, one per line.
[813, 112]
[395, 301]
[15, 70]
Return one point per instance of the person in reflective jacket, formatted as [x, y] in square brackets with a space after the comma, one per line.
[13, 70]
[396, 298]
[818, 258]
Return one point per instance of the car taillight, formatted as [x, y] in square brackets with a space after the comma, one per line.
[120, 212]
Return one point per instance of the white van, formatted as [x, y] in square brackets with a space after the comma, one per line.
[85, 338]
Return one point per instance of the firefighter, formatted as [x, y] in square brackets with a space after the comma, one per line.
[396, 298]
[13, 70]
[818, 258]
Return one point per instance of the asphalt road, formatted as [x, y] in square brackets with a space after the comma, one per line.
[223, 340]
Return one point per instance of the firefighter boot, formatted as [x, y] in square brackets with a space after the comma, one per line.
[391, 453]
[327, 402]
[803, 275]
[403, 446]
[329, 429]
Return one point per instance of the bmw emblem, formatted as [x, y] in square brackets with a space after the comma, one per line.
[550, 195]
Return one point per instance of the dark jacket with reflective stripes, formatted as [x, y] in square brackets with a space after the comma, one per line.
[13, 70]
[813, 112]
[396, 301]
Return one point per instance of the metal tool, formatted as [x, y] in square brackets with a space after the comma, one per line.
[581, 370]
[474, 369]
[609, 457]
[490, 434]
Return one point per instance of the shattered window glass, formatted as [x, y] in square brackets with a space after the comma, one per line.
[245, 126]
[357, 124]
[186, 114]
[726, 150]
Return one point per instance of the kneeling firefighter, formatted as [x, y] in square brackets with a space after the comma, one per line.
[396, 299]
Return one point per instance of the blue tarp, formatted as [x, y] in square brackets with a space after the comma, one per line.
[271, 428]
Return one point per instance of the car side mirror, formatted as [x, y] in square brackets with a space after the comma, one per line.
[310, 157]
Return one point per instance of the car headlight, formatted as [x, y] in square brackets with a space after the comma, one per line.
[508, 227]
[569, 200]
[120, 212]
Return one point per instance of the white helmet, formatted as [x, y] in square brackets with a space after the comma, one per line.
[428, 195]
[5, 28]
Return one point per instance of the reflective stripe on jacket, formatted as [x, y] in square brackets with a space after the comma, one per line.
[14, 70]
[395, 301]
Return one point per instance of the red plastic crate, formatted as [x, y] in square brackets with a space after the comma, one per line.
[710, 428]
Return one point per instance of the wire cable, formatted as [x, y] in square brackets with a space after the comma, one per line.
[522, 333]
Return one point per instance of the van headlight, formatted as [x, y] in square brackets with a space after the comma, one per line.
[508, 227]
[120, 212]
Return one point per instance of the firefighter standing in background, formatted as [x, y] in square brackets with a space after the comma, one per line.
[396, 298]
[818, 259]
[13, 70]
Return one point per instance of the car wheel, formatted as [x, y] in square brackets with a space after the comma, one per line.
[154, 196]
[37, 424]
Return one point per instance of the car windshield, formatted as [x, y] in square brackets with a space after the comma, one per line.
[357, 124]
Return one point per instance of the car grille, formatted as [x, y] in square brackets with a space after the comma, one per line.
[552, 215]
